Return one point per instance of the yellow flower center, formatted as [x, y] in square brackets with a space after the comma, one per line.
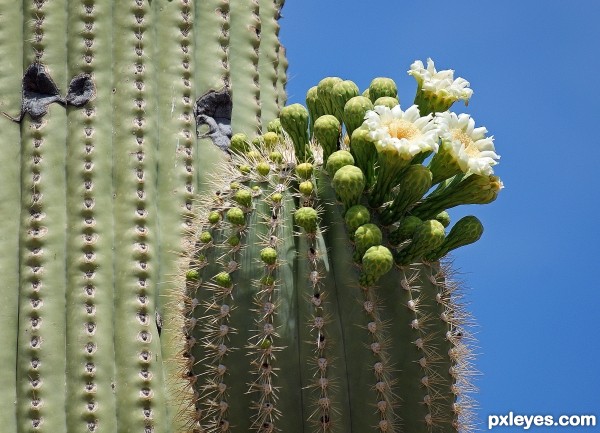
[470, 147]
[400, 128]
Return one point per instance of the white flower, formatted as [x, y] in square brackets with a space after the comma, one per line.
[472, 150]
[441, 83]
[405, 132]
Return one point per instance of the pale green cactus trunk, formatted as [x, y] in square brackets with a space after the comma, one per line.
[95, 199]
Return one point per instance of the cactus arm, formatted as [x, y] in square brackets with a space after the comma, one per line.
[268, 59]
[140, 400]
[177, 177]
[11, 18]
[243, 59]
[41, 357]
[89, 234]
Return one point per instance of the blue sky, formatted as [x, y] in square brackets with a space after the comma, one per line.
[533, 281]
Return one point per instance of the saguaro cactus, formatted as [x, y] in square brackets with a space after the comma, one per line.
[95, 198]
[304, 292]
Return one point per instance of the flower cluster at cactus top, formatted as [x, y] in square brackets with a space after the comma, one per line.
[406, 132]
[471, 148]
[441, 83]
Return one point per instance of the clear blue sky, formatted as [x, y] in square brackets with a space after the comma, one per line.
[533, 279]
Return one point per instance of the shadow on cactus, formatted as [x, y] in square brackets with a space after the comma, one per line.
[315, 299]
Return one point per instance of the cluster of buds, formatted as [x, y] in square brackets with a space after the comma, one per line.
[403, 164]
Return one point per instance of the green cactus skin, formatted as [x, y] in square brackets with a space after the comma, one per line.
[244, 43]
[282, 67]
[268, 60]
[11, 49]
[104, 194]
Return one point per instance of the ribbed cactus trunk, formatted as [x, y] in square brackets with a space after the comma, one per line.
[95, 198]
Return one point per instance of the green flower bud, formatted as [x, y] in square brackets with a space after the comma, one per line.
[245, 169]
[276, 197]
[325, 93]
[271, 139]
[304, 170]
[234, 186]
[415, 181]
[263, 168]
[355, 217]
[365, 93]
[364, 152]
[257, 142]
[354, 112]
[233, 241]
[236, 216]
[239, 143]
[274, 126]
[268, 255]
[337, 160]
[444, 218]
[253, 155]
[223, 279]
[349, 184]
[376, 262]
[243, 197]
[427, 237]
[467, 230]
[327, 131]
[276, 157]
[205, 237]
[365, 237]
[405, 230]
[382, 87]
[306, 188]
[214, 217]
[307, 218]
[192, 275]
[342, 92]
[267, 281]
[294, 119]
[470, 189]
[315, 107]
[266, 344]
[386, 101]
